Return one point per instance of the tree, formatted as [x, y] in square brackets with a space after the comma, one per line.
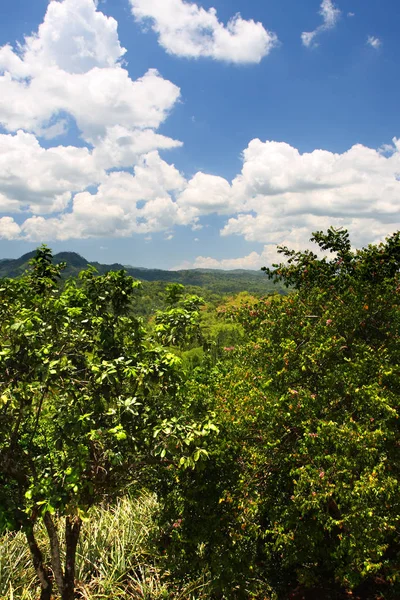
[88, 406]
[179, 325]
[302, 482]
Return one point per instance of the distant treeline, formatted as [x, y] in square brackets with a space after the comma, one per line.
[218, 281]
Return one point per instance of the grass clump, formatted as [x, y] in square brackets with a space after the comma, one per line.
[116, 558]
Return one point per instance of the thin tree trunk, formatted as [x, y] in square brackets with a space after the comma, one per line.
[72, 531]
[42, 572]
[65, 580]
[54, 552]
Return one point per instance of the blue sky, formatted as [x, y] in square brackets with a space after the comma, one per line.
[178, 134]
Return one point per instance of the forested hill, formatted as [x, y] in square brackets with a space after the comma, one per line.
[216, 280]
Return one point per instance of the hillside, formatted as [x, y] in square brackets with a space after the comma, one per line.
[223, 282]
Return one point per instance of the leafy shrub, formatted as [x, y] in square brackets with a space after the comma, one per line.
[302, 483]
[89, 406]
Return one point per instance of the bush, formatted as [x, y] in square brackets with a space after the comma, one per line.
[89, 406]
[302, 484]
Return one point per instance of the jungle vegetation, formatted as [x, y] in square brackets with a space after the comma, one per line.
[209, 446]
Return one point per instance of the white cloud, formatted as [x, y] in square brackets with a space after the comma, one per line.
[186, 29]
[363, 231]
[251, 261]
[50, 177]
[38, 180]
[277, 178]
[122, 147]
[98, 100]
[74, 37]
[330, 16]
[280, 196]
[204, 194]
[374, 42]
[9, 229]
[72, 65]
[124, 204]
[71, 69]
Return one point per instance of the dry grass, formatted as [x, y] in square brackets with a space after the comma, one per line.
[115, 559]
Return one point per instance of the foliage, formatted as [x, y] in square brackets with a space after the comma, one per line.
[299, 489]
[179, 325]
[89, 405]
[302, 483]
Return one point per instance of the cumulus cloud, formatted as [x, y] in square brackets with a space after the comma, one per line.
[251, 261]
[49, 177]
[124, 203]
[97, 100]
[74, 37]
[374, 42]
[204, 194]
[363, 231]
[70, 70]
[42, 180]
[282, 195]
[279, 197]
[118, 185]
[330, 15]
[186, 29]
[282, 190]
[9, 229]
[123, 147]
[72, 65]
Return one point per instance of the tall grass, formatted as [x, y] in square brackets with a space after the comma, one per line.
[116, 559]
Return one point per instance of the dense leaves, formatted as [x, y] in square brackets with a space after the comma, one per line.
[89, 405]
[179, 325]
[302, 483]
[288, 407]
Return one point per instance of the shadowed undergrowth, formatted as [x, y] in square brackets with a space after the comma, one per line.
[116, 558]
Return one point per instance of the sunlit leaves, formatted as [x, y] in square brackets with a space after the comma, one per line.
[83, 389]
[308, 410]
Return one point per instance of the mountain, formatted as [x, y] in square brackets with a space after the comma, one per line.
[219, 281]
[10, 267]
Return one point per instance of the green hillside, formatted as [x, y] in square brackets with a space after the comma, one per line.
[222, 282]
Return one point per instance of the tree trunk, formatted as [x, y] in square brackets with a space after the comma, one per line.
[65, 580]
[72, 531]
[42, 572]
[54, 552]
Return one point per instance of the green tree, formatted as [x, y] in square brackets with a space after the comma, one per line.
[179, 325]
[88, 406]
[302, 482]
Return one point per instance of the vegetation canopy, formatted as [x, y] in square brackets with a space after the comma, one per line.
[302, 483]
[269, 433]
[89, 406]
